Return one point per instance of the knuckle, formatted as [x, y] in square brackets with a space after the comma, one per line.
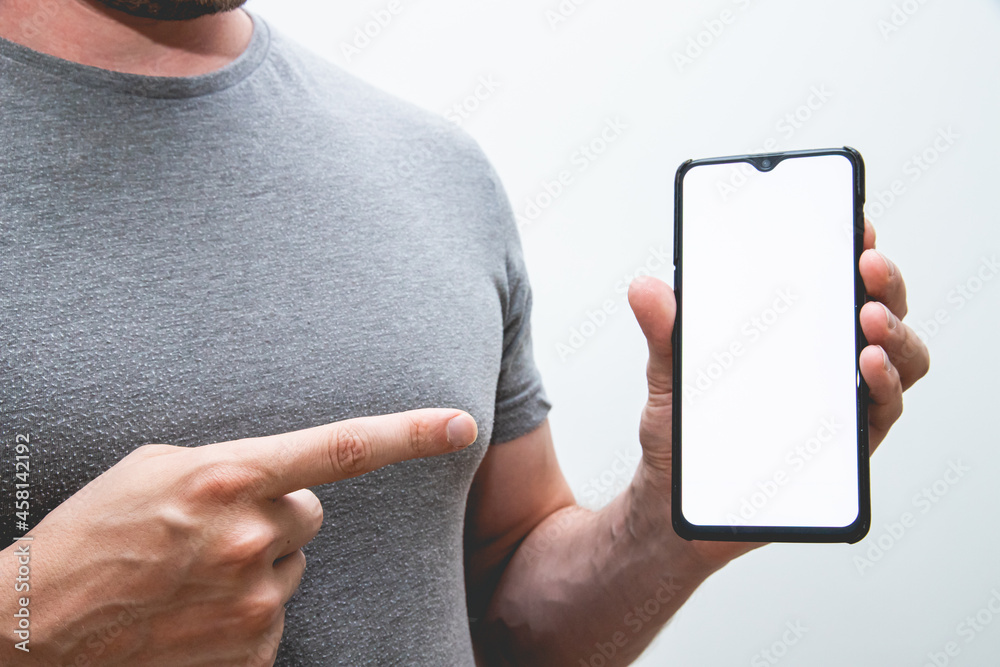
[266, 651]
[315, 514]
[925, 365]
[298, 558]
[660, 391]
[260, 611]
[897, 384]
[420, 436]
[247, 546]
[219, 481]
[899, 288]
[896, 410]
[910, 347]
[914, 352]
[266, 654]
[307, 510]
[894, 406]
[349, 451]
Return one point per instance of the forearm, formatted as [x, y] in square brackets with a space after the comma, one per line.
[17, 617]
[592, 583]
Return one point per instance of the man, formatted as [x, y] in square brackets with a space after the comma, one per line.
[212, 236]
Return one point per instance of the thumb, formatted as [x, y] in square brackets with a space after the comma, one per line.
[653, 303]
[280, 464]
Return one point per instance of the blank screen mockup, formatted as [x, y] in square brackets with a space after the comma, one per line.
[769, 380]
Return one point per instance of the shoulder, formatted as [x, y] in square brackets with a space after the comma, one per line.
[393, 149]
[363, 106]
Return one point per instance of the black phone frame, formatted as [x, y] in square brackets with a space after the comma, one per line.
[855, 531]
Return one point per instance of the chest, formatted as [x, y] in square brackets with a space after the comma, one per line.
[187, 320]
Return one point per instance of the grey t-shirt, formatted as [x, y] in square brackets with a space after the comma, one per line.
[264, 248]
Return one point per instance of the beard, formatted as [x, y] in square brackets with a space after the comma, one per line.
[172, 10]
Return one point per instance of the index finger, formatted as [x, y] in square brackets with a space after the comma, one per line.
[284, 463]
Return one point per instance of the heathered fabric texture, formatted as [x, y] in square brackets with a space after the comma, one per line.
[268, 247]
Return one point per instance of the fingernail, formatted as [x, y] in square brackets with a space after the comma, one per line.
[885, 359]
[890, 267]
[462, 431]
[890, 319]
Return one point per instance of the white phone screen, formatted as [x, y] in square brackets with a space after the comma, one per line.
[769, 378]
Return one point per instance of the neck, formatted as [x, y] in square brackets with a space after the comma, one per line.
[89, 33]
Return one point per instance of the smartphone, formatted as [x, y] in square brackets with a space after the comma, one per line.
[770, 421]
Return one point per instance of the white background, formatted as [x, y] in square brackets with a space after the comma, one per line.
[889, 94]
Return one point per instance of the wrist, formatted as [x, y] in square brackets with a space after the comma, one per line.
[652, 506]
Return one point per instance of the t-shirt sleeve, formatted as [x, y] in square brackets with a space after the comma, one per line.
[521, 402]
